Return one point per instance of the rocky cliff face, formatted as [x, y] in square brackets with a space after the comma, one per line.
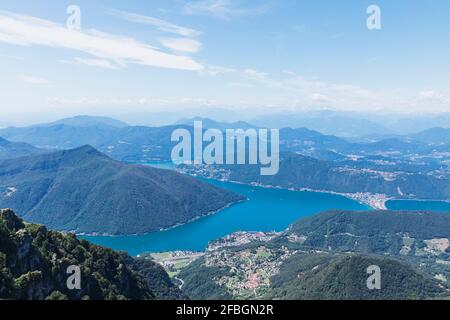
[34, 264]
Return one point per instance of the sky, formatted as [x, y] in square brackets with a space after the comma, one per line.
[141, 56]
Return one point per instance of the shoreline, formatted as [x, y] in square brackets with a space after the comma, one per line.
[421, 200]
[373, 201]
[376, 201]
[106, 235]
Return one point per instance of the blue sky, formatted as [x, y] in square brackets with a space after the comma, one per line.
[149, 56]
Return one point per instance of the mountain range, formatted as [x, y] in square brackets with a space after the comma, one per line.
[87, 191]
[142, 143]
[342, 124]
[353, 124]
[9, 150]
[133, 144]
[301, 172]
[84, 191]
[87, 121]
[213, 124]
[410, 166]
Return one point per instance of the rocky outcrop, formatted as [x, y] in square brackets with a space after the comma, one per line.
[34, 265]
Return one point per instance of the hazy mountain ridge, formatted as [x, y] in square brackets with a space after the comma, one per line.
[59, 136]
[143, 143]
[420, 153]
[87, 121]
[9, 150]
[436, 136]
[354, 124]
[413, 166]
[213, 124]
[133, 144]
[83, 190]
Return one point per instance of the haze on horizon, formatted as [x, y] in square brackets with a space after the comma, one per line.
[221, 57]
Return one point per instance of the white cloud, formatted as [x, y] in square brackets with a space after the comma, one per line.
[161, 25]
[96, 63]
[26, 30]
[429, 94]
[184, 44]
[33, 79]
[222, 8]
[433, 95]
[181, 44]
[291, 90]
[99, 63]
[319, 97]
[212, 70]
[134, 102]
[254, 75]
[241, 85]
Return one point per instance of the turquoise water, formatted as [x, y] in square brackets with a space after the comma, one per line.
[266, 210]
[418, 205]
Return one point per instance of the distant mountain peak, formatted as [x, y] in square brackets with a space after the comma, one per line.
[88, 149]
[10, 150]
[209, 123]
[4, 141]
[81, 153]
[88, 121]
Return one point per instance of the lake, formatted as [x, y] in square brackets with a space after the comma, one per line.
[266, 210]
[439, 206]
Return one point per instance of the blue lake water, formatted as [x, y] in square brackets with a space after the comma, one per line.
[440, 206]
[266, 210]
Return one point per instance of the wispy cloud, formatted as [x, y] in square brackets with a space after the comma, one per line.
[27, 30]
[161, 25]
[133, 102]
[181, 44]
[11, 57]
[223, 8]
[33, 79]
[434, 96]
[212, 70]
[99, 63]
[254, 75]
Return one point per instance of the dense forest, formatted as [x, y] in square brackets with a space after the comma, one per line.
[84, 191]
[34, 264]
